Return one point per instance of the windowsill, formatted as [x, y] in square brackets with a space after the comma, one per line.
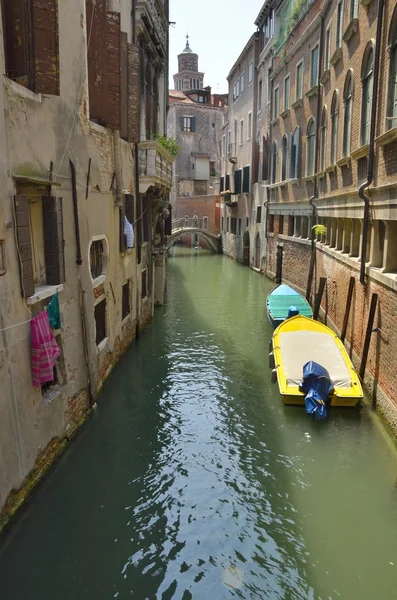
[44, 291]
[127, 251]
[320, 175]
[350, 29]
[273, 186]
[295, 239]
[365, 2]
[97, 127]
[308, 178]
[297, 103]
[325, 76]
[98, 280]
[102, 345]
[144, 244]
[346, 161]
[284, 183]
[23, 91]
[53, 393]
[337, 55]
[294, 181]
[274, 122]
[360, 152]
[285, 113]
[330, 169]
[388, 137]
[312, 92]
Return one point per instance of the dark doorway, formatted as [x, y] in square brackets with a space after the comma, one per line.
[258, 251]
[246, 248]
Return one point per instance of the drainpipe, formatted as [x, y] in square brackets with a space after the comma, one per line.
[118, 168]
[79, 260]
[371, 151]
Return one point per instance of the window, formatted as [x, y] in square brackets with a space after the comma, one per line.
[311, 146]
[239, 226]
[144, 283]
[242, 131]
[274, 162]
[242, 82]
[233, 225]
[97, 258]
[347, 120]
[260, 96]
[284, 150]
[276, 103]
[246, 180]
[299, 80]
[295, 154]
[270, 224]
[353, 9]
[201, 99]
[39, 225]
[227, 224]
[323, 138]
[188, 124]
[224, 145]
[392, 90]
[314, 67]
[32, 49]
[286, 92]
[249, 127]
[205, 222]
[100, 321]
[125, 300]
[247, 223]
[250, 72]
[328, 48]
[366, 103]
[126, 223]
[222, 184]
[339, 24]
[334, 125]
[259, 214]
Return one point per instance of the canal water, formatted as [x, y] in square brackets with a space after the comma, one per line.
[192, 480]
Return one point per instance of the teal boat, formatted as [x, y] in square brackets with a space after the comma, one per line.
[284, 302]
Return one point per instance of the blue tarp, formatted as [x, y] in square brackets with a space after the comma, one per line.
[317, 386]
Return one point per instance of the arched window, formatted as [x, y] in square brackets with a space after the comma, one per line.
[284, 149]
[294, 164]
[323, 139]
[274, 162]
[367, 77]
[334, 125]
[347, 118]
[311, 146]
[392, 91]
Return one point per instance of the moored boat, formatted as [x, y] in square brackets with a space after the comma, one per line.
[296, 344]
[284, 302]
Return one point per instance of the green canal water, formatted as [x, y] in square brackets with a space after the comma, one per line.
[192, 480]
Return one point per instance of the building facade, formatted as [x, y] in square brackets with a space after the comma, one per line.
[83, 210]
[195, 121]
[242, 213]
[332, 149]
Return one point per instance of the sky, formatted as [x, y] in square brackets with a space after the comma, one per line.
[218, 31]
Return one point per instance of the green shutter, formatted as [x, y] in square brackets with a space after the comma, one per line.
[193, 124]
[182, 121]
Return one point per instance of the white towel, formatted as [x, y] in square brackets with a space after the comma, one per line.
[129, 233]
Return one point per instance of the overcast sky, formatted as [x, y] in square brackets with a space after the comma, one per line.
[218, 31]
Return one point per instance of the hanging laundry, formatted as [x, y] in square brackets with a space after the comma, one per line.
[44, 350]
[53, 312]
[129, 233]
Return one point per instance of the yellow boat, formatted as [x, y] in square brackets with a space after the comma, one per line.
[299, 340]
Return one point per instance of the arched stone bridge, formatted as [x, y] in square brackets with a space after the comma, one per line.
[199, 226]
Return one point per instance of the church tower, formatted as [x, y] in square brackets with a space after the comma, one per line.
[188, 77]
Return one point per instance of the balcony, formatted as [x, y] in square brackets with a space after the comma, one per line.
[152, 23]
[155, 167]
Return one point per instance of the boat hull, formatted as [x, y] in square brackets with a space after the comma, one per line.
[298, 340]
[280, 300]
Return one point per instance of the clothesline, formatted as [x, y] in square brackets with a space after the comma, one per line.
[15, 325]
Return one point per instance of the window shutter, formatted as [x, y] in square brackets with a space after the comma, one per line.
[53, 240]
[124, 86]
[129, 207]
[193, 122]
[292, 156]
[168, 223]
[182, 121]
[237, 181]
[246, 179]
[298, 153]
[227, 182]
[113, 43]
[222, 184]
[21, 204]
[97, 58]
[46, 46]
[134, 99]
[123, 245]
[265, 159]
[15, 38]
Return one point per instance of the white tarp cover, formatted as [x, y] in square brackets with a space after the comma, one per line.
[298, 347]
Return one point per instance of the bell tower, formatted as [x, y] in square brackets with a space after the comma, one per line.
[188, 77]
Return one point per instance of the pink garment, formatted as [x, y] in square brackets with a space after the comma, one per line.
[44, 350]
